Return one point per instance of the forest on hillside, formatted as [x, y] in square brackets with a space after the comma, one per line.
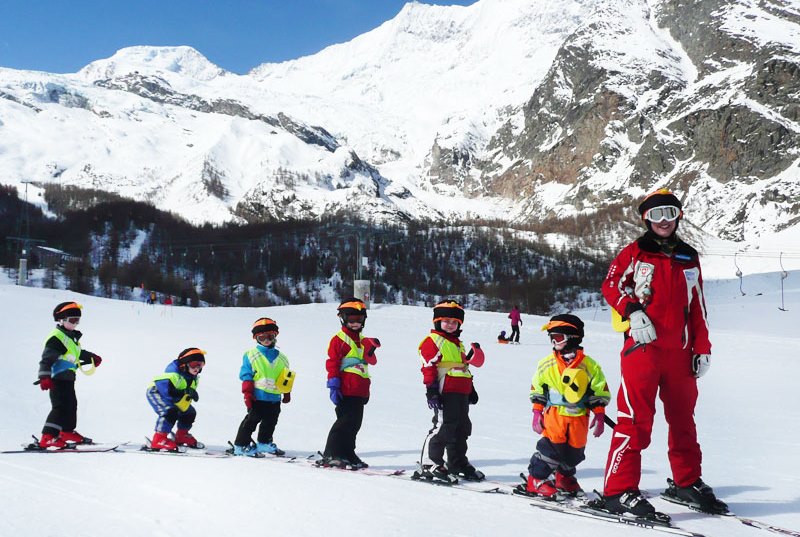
[112, 245]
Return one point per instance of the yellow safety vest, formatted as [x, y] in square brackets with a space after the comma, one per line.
[266, 374]
[353, 361]
[73, 354]
[452, 357]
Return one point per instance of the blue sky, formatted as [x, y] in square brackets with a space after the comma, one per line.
[62, 36]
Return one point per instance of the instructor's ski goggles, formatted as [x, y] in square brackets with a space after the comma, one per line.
[665, 212]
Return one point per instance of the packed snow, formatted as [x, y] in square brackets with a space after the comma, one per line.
[747, 425]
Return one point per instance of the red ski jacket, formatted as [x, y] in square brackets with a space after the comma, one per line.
[668, 287]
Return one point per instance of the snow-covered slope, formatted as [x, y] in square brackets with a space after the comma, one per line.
[749, 441]
[510, 109]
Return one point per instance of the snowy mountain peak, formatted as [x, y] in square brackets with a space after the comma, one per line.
[181, 60]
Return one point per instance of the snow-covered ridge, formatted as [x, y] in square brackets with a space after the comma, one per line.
[442, 112]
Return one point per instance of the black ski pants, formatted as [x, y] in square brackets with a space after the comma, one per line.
[341, 442]
[264, 412]
[64, 412]
[514, 333]
[552, 457]
[453, 432]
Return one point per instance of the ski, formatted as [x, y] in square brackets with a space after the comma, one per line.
[77, 448]
[582, 510]
[181, 451]
[743, 520]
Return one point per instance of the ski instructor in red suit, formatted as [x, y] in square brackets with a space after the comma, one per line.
[656, 284]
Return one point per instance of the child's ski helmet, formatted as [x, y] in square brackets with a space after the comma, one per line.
[352, 306]
[192, 354]
[569, 325]
[264, 324]
[66, 309]
[448, 309]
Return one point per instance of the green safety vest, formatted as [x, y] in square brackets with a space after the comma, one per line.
[177, 380]
[353, 361]
[549, 374]
[265, 374]
[452, 357]
[73, 354]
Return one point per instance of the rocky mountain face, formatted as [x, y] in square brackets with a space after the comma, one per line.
[511, 110]
[696, 96]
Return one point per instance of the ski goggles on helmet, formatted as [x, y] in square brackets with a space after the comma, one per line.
[664, 212]
[354, 318]
[266, 337]
[196, 365]
[72, 320]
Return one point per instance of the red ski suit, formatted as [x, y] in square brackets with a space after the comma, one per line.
[670, 289]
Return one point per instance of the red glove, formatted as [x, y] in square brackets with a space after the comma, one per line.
[97, 361]
[45, 383]
[370, 344]
[248, 389]
[475, 356]
[287, 397]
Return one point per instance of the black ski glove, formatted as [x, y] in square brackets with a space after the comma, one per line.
[192, 393]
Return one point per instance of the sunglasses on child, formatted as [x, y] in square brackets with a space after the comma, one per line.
[266, 337]
[665, 212]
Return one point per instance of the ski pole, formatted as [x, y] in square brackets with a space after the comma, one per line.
[435, 422]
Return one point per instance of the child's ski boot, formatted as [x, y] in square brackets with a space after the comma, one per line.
[184, 438]
[162, 442]
[74, 437]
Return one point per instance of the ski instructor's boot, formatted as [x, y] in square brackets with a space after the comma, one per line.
[698, 496]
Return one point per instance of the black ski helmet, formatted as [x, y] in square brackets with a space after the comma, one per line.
[66, 309]
[352, 306]
[192, 354]
[569, 325]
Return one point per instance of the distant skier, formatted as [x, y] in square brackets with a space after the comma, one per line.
[657, 285]
[62, 355]
[566, 387]
[171, 395]
[349, 356]
[516, 321]
[449, 387]
[263, 373]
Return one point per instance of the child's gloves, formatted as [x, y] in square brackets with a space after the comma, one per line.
[642, 329]
[475, 357]
[89, 357]
[45, 383]
[598, 424]
[538, 422]
[287, 398]
[370, 344]
[248, 389]
[701, 363]
[192, 393]
[434, 400]
[335, 385]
